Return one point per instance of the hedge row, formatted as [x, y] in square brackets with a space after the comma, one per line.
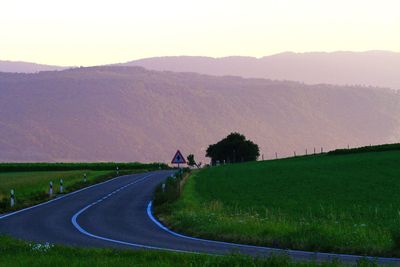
[62, 166]
[365, 149]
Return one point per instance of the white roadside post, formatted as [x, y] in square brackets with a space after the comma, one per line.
[51, 189]
[117, 170]
[61, 185]
[84, 177]
[12, 198]
[163, 187]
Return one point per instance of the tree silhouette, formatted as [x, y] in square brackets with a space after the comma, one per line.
[233, 148]
[192, 162]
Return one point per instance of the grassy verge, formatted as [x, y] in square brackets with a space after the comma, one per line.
[345, 204]
[32, 187]
[19, 253]
[170, 190]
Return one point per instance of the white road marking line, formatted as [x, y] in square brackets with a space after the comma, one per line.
[83, 231]
[61, 197]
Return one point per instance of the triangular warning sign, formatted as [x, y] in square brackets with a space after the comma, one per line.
[178, 158]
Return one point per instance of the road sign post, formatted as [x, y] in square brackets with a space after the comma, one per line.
[178, 159]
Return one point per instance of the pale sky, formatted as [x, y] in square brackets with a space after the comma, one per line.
[87, 32]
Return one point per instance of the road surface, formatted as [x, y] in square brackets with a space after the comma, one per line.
[117, 213]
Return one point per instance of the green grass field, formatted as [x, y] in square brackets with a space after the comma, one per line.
[335, 203]
[19, 253]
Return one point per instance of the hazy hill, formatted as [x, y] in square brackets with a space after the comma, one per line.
[26, 67]
[129, 113]
[376, 68]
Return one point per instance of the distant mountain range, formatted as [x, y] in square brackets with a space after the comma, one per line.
[374, 68]
[133, 114]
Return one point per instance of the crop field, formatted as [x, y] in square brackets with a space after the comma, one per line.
[33, 187]
[346, 203]
[18, 253]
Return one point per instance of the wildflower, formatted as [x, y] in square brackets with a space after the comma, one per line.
[41, 247]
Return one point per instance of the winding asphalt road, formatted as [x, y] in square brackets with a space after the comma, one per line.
[117, 213]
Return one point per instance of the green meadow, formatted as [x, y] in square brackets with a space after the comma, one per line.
[19, 253]
[345, 203]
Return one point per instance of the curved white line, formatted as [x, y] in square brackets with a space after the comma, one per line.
[60, 197]
[83, 231]
[290, 251]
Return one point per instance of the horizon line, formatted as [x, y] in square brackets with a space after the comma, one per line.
[200, 56]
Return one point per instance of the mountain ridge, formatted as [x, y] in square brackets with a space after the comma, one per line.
[374, 68]
[132, 114]
[370, 68]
